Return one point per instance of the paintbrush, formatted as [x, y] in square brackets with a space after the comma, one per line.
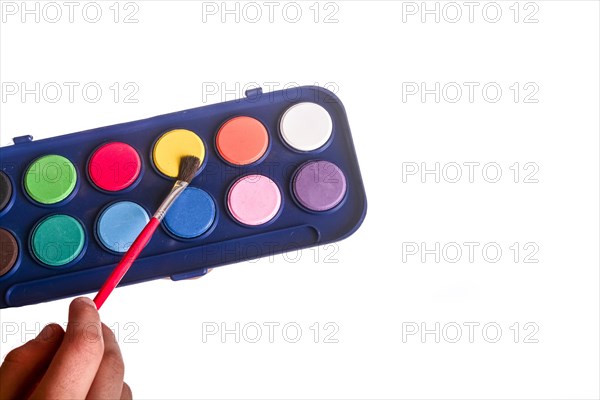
[188, 166]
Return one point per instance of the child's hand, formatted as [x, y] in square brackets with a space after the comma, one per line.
[83, 362]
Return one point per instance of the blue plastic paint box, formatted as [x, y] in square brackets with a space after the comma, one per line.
[279, 173]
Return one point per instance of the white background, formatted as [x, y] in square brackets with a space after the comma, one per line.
[372, 54]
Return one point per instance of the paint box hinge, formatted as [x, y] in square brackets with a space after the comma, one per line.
[254, 92]
[189, 275]
[22, 139]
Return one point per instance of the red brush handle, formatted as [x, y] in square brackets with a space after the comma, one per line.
[128, 259]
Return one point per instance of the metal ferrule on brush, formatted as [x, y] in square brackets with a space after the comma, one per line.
[177, 189]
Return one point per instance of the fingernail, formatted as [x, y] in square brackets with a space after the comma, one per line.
[86, 300]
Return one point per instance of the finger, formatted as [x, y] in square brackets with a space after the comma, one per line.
[74, 367]
[24, 365]
[108, 383]
[126, 393]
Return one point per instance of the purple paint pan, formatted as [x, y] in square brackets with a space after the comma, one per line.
[319, 185]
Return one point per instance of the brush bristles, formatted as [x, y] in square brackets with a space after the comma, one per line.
[188, 166]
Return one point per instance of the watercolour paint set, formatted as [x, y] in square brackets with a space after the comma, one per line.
[278, 172]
